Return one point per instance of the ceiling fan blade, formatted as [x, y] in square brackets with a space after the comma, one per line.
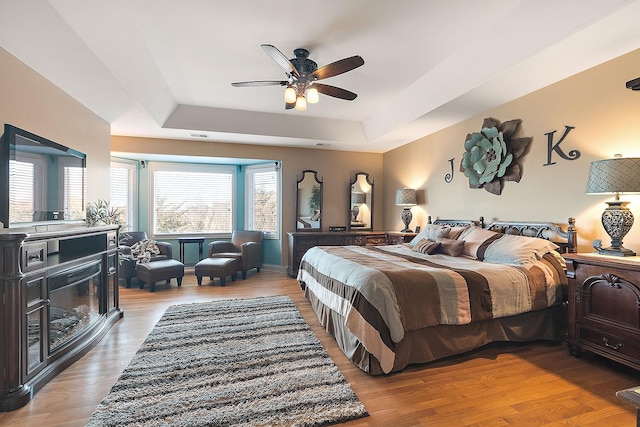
[338, 67]
[336, 92]
[260, 83]
[280, 59]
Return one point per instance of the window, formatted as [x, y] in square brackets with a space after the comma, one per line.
[263, 199]
[74, 187]
[28, 181]
[123, 193]
[192, 199]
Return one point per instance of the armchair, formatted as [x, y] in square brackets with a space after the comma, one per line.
[127, 267]
[245, 246]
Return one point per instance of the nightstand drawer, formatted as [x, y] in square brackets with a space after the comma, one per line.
[613, 344]
[377, 239]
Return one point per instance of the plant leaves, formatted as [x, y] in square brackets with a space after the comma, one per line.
[490, 122]
[514, 173]
[509, 127]
[517, 146]
[494, 187]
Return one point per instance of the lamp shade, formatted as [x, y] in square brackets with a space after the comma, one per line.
[358, 198]
[617, 175]
[406, 197]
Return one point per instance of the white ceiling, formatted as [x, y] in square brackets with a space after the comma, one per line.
[164, 68]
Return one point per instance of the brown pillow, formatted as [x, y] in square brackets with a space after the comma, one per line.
[450, 247]
[425, 246]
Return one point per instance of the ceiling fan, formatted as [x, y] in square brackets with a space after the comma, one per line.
[302, 75]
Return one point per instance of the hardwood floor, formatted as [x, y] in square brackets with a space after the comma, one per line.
[536, 384]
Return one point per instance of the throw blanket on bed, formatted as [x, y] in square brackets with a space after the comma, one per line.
[384, 291]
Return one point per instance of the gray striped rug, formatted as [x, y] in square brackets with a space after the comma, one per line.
[251, 362]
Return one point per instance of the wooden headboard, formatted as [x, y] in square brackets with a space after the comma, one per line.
[457, 222]
[564, 236]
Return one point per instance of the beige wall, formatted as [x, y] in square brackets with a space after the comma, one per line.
[335, 169]
[606, 117]
[31, 102]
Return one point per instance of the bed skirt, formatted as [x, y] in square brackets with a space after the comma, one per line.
[437, 342]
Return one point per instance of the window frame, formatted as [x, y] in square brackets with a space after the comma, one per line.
[154, 167]
[132, 191]
[248, 196]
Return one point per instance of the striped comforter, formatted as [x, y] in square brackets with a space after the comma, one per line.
[384, 291]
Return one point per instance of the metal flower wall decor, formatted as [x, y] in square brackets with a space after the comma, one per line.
[491, 155]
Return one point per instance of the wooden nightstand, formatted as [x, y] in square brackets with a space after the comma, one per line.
[604, 306]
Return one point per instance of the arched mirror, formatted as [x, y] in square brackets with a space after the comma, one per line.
[309, 202]
[361, 202]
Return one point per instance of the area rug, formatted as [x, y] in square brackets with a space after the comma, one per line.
[247, 362]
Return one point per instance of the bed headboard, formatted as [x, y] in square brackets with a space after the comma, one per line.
[564, 236]
[457, 222]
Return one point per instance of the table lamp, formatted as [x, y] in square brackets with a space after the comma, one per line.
[615, 176]
[357, 198]
[406, 197]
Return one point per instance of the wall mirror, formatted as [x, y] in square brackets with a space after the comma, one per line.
[309, 202]
[361, 202]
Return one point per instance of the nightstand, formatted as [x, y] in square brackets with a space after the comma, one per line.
[604, 306]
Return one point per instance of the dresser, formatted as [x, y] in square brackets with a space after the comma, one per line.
[301, 242]
[58, 298]
[604, 306]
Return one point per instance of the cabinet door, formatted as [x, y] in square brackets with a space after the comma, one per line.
[35, 324]
[609, 297]
[112, 282]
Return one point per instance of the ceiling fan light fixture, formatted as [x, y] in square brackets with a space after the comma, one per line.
[301, 104]
[290, 95]
[312, 96]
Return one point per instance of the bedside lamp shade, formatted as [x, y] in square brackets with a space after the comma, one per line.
[358, 198]
[406, 197]
[615, 176]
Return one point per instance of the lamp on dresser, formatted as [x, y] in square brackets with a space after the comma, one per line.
[406, 197]
[357, 198]
[615, 176]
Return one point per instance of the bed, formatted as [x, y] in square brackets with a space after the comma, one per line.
[457, 286]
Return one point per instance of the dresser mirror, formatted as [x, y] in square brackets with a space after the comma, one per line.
[361, 202]
[309, 202]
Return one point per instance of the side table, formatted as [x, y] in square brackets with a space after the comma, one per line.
[184, 240]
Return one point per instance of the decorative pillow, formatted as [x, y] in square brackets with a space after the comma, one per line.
[143, 250]
[425, 246]
[431, 232]
[517, 250]
[457, 231]
[476, 240]
[450, 247]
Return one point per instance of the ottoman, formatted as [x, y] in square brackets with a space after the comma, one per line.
[155, 271]
[217, 267]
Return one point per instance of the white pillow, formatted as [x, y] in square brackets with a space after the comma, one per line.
[517, 250]
[431, 232]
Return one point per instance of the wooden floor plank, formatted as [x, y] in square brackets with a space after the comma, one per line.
[531, 384]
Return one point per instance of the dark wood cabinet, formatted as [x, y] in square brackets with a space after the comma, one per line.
[398, 237]
[301, 242]
[604, 306]
[59, 296]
